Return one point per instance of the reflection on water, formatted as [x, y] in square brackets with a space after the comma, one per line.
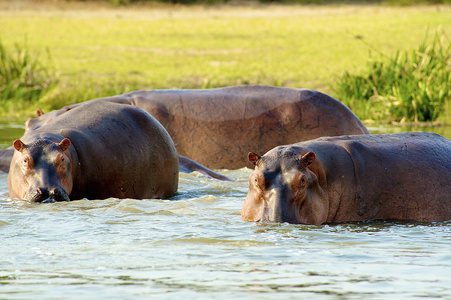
[10, 131]
[196, 246]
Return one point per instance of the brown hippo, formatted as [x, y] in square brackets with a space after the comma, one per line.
[216, 127]
[404, 176]
[95, 151]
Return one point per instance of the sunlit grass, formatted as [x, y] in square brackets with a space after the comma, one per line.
[410, 86]
[100, 51]
[23, 79]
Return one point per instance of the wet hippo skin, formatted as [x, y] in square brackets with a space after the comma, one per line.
[95, 151]
[404, 176]
[5, 159]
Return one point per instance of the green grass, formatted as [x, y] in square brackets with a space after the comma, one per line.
[321, 2]
[99, 50]
[22, 78]
[412, 86]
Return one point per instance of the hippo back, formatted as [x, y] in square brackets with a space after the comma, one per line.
[219, 127]
[403, 176]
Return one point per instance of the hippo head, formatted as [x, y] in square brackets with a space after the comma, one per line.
[41, 171]
[285, 188]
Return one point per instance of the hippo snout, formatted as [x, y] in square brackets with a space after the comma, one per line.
[277, 208]
[42, 195]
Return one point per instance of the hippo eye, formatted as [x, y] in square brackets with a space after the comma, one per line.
[256, 181]
[300, 181]
[26, 163]
[259, 181]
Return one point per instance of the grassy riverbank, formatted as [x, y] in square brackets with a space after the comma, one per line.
[91, 50]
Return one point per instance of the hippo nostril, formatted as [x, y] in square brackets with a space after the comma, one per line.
[45, 196]
[57, 195]
[39, 195]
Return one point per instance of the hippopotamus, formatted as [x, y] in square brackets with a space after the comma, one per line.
[216, 127]
[403, 176]
[5, 159]
[95, 151]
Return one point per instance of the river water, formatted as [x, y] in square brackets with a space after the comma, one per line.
[196, 246]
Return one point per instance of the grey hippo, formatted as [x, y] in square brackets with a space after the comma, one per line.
[95, 151]
[403, 176]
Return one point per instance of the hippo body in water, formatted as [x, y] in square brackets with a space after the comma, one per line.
[95, 151]
[404, 176]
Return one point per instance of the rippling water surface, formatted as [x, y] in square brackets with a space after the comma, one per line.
[196, 246]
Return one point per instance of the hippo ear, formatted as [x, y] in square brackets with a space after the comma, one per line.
[253, 158]
[64, 144]
[39, 112]
[308, 158]
[19, 145]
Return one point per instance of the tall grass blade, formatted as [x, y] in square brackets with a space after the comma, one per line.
[22, 76]
[410, 86]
